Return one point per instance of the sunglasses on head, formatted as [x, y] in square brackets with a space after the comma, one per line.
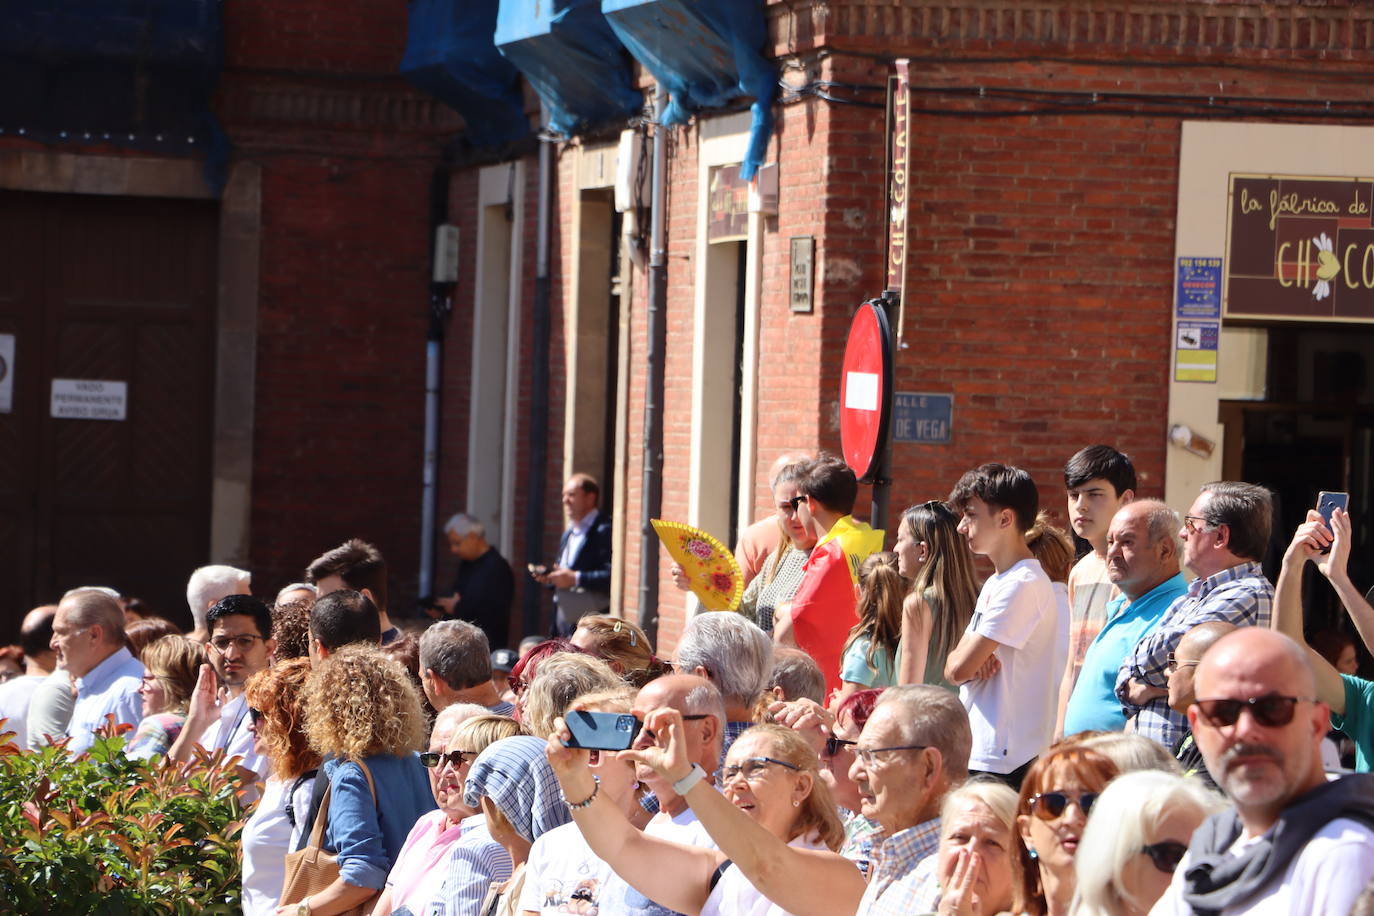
[1166, 854]
[1049, 806]
[1271, 711]
[435, 758]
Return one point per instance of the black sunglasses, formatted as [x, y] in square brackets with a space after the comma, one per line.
[1049, 806]
[693, 718]
[796, 501]
[1166, 855]
[1272, 711]
[254, 715]
[434, 758]
[834, 745]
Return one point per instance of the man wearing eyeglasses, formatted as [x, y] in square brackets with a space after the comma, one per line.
[912, 751]
[1225, 534]
[88, 637]
[1293, 843]
[240, 646]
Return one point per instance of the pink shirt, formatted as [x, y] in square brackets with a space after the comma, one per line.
[418, 874]
[755, 544]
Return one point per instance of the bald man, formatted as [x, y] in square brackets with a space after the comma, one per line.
[1293, 843]
[1182, 668]
[35, 638]
[703, 711]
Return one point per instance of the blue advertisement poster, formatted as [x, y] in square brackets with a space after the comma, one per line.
[1199, 288]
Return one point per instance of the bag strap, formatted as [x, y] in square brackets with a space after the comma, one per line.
[322, 818]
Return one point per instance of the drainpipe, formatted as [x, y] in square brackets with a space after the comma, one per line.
[440, 307]
[533, 604]
[652, 488]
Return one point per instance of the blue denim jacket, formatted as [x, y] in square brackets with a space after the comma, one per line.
[367, 838]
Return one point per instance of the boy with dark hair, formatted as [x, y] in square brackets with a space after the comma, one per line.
[358, 565]
[1099, 480]
[823, 607]
[1015, 644]
[339, 619]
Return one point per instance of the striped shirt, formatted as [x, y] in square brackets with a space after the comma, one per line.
[1239, 595]
[893, 884]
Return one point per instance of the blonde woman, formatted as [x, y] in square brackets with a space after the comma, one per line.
[171, 665]
[622, 645]
[363, 715]
[562, 678]
[454, 835]
[935, 559]
[1137, 835]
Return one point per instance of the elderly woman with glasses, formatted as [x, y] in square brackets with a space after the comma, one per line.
[774, 823]
[1140, 829]
[1059, 790]
[455, 831]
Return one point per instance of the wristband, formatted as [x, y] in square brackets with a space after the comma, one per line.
[685, 784]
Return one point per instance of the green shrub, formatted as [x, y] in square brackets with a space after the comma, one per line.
[102, 834]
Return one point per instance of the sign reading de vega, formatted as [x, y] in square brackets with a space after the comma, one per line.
[1300, 248]
[85, 399]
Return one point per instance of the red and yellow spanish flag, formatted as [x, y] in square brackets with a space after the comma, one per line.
[823, 607]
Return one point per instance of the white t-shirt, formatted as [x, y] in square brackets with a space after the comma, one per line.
[1012, 713]
[563, 875]
[233, 723]
[1334, 867]
[14, 705]
[735, 896]
[267, 838]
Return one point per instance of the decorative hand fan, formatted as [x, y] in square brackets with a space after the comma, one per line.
[711, 570]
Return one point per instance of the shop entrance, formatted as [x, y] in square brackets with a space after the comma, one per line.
[1314, 431]
[107, 318]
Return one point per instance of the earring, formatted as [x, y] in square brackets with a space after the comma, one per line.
[1033, 853]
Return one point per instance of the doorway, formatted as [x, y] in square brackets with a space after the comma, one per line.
[121, 291]
[1314, 431]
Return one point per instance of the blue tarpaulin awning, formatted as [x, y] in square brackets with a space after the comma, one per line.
[569, 54]
[706, 53]
[450, 54]
[138, 74]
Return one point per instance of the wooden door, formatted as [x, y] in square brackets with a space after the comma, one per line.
[118, 290]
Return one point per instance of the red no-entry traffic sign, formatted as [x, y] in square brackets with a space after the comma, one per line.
[866, 390]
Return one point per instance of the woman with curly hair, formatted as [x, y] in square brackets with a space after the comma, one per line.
[274, 711]
[362, 715]
[171, 665]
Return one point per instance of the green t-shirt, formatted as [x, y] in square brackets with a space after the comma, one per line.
[1358, 721]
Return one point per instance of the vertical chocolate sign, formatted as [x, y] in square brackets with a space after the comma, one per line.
[899, 181]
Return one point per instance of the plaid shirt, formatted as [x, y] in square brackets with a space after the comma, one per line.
[1239, 595]
[732, 731]
[892, 885]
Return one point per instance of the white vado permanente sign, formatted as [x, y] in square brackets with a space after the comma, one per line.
[89, 399]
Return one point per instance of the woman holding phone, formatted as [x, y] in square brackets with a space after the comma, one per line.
[774, 823]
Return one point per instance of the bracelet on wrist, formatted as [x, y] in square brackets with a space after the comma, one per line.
[688, 782]
[578, 806]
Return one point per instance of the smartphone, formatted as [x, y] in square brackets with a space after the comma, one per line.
[1327, 502]
[537, 569]
[601, 731]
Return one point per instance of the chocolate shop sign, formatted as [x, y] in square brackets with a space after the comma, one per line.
[1300, 248]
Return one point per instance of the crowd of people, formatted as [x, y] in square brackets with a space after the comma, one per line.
[1147, 728]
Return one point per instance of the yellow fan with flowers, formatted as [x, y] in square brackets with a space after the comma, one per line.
[712, 573]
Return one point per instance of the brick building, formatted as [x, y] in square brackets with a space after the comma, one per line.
[1071, 162]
